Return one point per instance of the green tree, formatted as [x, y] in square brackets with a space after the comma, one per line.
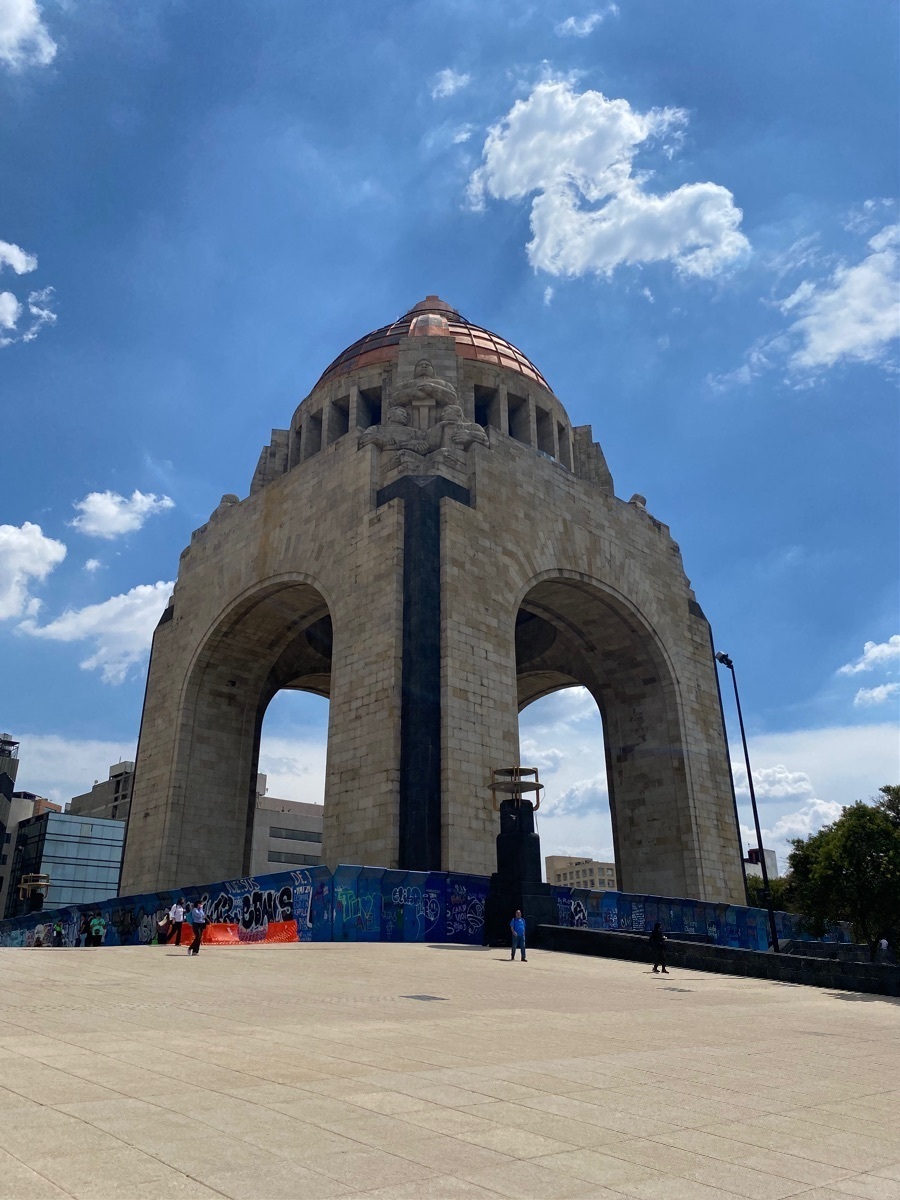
[850, 871]
[779, 889]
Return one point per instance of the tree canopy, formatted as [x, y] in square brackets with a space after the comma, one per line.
[850, 871]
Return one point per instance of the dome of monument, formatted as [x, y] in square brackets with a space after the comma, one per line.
[433, 317]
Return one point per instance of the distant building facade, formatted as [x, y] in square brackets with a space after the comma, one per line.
[82, 857]
[20, 807]
[109, 799]
[286, 833]
[752, 865]
[567, 871]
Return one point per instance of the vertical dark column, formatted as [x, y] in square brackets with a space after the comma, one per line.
[420, 699]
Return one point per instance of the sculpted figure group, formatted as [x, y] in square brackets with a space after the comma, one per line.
[450, 434]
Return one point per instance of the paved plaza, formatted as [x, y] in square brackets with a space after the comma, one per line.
[408, 1071]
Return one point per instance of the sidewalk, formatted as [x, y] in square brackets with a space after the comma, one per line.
[408, 1071]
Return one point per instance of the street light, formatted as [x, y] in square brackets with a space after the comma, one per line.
[767, 895]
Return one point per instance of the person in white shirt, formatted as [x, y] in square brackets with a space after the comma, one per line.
[176, 916]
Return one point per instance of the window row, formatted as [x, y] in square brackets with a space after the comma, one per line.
[297, 835]
[297, 860]
[525, 421]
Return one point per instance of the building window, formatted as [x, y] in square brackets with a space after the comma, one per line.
[368, 409]
[338, 418]
[297, 860]
[296, 835]
[519, 425]
[312, 435]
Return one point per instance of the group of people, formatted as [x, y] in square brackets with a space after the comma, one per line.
[179, 915]
[657, 942]
[91, 931]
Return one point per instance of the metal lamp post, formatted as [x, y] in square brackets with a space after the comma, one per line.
[767, 894]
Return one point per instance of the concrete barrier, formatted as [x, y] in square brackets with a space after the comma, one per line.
[877, 978]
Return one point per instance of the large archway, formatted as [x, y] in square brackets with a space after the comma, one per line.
[279, 636]
[572, 632]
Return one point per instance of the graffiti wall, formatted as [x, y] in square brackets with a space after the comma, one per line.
[312, 905]
[720, 924]
[371, 904]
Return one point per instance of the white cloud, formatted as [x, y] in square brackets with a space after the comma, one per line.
[772, 782]
[581, 27]
[875, 654]
[867, 697]
[849, 314]
[448, 82]
[24, 39]
[548, 294]
[109, 515]
[590, 212]
[60, 767]
[295, 767]
[10, 310]
[14, 256]
[822, 769]
[26, 554]
[93, 564]
[120, 629]
[462, 134]
[853, 317]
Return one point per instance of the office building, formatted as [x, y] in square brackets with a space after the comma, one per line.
[109, 799]
[286, 833]
[567, 871]
[752, 865]
[82, 856]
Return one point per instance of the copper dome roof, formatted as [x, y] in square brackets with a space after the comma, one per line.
[433, 317]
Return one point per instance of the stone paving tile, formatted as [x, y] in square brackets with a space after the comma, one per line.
[272, 1180]
[533, 1181]
[302, 1071]
[444, 1187]
[870, 1187]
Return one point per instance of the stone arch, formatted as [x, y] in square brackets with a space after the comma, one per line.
[276, 635]
[572, 630]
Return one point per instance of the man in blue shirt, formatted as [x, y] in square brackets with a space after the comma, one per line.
[517, 928]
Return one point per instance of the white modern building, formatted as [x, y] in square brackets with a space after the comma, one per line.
[567, 871]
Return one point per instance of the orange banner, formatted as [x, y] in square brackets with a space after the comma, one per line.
[233, 935]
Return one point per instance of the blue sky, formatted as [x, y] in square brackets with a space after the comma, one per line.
[684, 213]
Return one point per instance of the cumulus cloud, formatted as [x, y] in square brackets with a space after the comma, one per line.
[772, 782]
[848, 315]
[93, 564]
[875, 654]
[24, 38]
[581, 27]
[14, 256]
[590, 212]
[868, 697]
[26, 555]
[60, 767]
[585, 796]
[109, 515]
[853, 316]
[119, 629]
[448, 82]
[11, 308]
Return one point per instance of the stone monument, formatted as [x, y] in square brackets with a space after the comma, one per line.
[431, 545]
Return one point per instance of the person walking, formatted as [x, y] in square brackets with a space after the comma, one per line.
[197, 919]
[84, 931]
[658, 943]
[98, 929]
[57, 933]
[176, 920]
[517, 929]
